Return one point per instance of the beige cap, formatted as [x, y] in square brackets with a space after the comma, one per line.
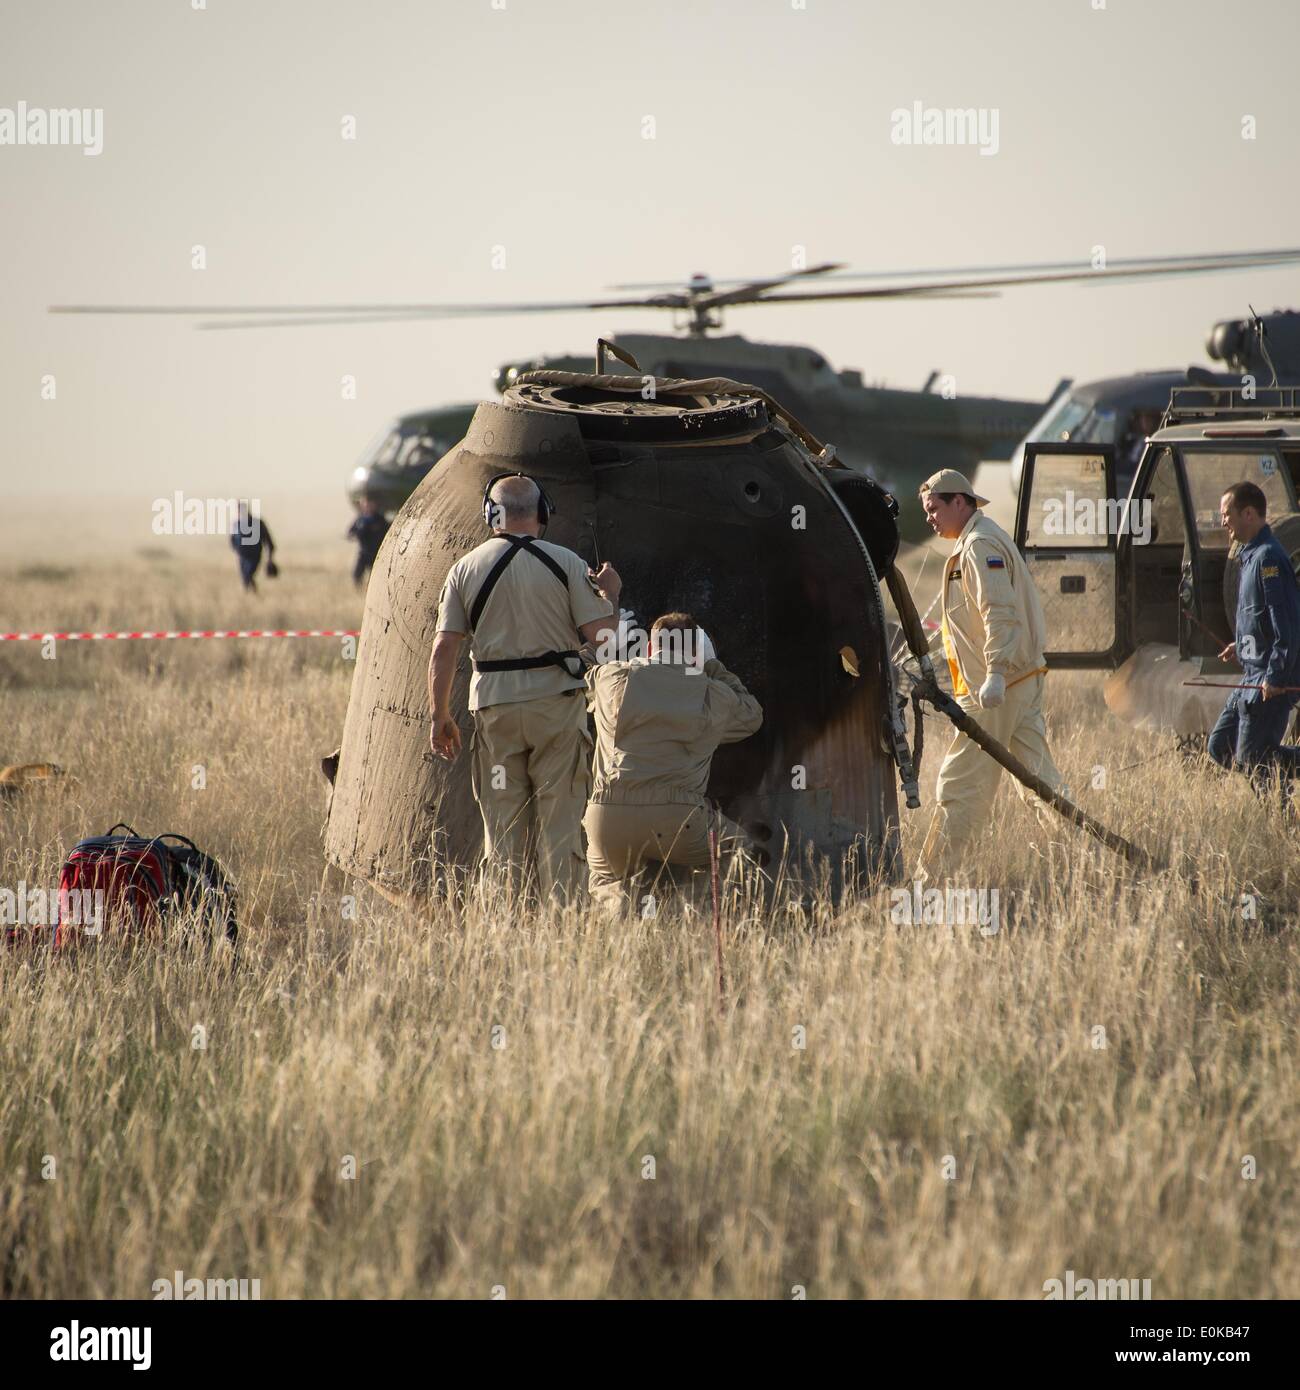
[949, 480]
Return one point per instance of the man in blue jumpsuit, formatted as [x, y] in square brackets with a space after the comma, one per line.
[249, 538]
[368, 530]
[1267, 648]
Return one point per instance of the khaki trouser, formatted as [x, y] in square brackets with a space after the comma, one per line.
[968, 779]
[531, 774]
[621, 837]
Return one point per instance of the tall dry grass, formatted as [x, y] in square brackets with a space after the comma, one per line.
[500, 1079]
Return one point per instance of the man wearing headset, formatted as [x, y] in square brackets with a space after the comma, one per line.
[526, 605]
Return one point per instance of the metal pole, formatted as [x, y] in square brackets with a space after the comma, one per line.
[947, 705]
[928, 689]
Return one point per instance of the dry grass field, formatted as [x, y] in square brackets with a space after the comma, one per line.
[546, 1104]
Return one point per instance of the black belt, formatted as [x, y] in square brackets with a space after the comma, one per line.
[535, 663]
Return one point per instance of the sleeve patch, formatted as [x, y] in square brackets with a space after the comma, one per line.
[1269, 571]
[996, 562]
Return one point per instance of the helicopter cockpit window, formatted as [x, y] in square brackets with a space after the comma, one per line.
[1077, 422]
[382, 447]
[386, 449]
[1060, 424]
[417, 449]
[1210, 474]
[1097, 427]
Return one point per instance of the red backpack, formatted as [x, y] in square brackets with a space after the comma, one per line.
[127, 883]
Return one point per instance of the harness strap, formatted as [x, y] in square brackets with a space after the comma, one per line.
[534, 663]
[523, 663]
[516, 544]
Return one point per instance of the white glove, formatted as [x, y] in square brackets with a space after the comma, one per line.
[992, 692]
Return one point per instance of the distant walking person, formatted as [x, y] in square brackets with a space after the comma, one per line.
[368, 530]
[1251, 728]
[249, 538]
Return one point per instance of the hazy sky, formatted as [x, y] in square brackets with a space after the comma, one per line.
[519, 124]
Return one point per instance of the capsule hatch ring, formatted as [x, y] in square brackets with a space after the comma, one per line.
[624, 413]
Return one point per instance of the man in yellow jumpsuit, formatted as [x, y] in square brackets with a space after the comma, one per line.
[993, 638]
[659, 720]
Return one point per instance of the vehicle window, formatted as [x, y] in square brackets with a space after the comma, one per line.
[1210, 473]
[1292, 460]
[1068, 507]
[1168, 526]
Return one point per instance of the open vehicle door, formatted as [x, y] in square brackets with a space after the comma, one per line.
[1211, 567]
[1066, 528]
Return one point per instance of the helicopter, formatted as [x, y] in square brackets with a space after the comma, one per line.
[1124, 410]
[896, 436]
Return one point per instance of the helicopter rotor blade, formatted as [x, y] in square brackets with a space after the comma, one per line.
[1206, 266]
[1229, 260]
[750, 292]
[416, 316]
[309, 320]
[345, 311]
[754, 289]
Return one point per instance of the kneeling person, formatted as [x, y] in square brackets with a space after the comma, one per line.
[658, 721]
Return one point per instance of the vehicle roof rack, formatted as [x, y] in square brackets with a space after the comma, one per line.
[1189, 403]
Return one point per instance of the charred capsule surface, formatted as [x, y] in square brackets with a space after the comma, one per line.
[703, 502]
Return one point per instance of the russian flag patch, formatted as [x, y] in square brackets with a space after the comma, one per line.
[996, 562]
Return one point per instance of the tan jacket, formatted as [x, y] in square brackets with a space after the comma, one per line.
[528, 612]
[992, 619]
[657, 726]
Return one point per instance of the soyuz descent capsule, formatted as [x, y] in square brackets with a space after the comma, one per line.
[707, 498]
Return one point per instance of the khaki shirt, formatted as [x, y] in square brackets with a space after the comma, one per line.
[528, 613]
[657, 726]
[992, 619]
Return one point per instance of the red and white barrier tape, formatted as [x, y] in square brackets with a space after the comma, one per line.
[155, 636]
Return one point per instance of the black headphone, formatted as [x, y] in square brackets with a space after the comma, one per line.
[491, 509]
